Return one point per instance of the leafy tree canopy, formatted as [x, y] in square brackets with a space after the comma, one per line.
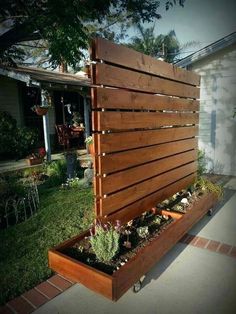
[66, 26]
[162, 46]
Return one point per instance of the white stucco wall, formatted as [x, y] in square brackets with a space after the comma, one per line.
[9, 98]
[217, 134]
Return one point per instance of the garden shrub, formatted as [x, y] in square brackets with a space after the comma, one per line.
[105, 242]
[15, 142]
[201, 163]
[208, 186]
[26, 140]
[56, 170]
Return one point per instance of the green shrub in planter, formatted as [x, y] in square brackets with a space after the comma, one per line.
[105, 242]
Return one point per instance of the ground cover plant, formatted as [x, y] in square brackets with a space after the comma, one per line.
[23, 262]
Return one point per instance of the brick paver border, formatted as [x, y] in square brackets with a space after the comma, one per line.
[47, 290]
[209, 244]
[39, 295]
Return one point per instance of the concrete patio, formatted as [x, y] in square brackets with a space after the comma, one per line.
[197, 276]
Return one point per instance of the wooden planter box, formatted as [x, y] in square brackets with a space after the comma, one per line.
[34, 161]
[114, 286]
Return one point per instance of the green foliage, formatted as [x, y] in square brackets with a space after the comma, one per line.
[165, 46]
[56, 170]
[89, 140]
[201, 162]
[26, 140]
[208, 186]
[24, 246]
[7, 134]
[73, 182]
[105, 242]
[142, 231]
[67, 28]
[14, 141]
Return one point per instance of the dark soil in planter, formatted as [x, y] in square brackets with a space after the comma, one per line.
[83, 252]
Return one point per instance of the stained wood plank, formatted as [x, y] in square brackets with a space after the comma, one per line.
[75, 270]
[119, 161]
[131, 194]
[113, 142]
[123, 56]
[110, 120]
[121, 99]
[140, 206]
[117, 77]
[123, 179]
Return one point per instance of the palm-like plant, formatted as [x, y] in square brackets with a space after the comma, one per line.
[165, 46]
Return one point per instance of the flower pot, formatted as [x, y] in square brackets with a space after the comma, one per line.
[41, 111]
[34, 161]
[115, 285]
[91, 149]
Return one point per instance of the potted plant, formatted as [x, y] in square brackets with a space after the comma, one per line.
[89, 143]
[40, 110]
[46, 101]
[37, 157]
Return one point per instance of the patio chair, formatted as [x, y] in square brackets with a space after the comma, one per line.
[64, 135]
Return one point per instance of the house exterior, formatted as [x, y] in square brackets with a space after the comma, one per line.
[20, 89]
[216, 64]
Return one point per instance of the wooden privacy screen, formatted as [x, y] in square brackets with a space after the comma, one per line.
[145, 117]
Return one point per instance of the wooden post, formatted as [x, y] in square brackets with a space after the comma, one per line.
[46, 127]
[86, 117]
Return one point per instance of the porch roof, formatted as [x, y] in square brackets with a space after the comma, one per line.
[36, 77]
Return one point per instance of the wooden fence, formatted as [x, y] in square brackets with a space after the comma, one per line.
[145, 117]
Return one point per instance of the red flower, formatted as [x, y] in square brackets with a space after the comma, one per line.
[42, 152]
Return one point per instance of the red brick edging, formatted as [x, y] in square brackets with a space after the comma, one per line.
[210, 245]
[34, 298]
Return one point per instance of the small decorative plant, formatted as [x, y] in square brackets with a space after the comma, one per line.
[89, 140]
[105, 241]
[142, 231]
[210, 187]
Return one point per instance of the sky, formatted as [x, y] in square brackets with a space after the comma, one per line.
[203, 21]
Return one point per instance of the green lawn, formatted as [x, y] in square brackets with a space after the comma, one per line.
[23, 247]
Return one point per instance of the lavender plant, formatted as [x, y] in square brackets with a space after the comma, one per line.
[105, 241]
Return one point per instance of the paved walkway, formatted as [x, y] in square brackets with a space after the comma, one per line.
[197, 276]
[12, 165]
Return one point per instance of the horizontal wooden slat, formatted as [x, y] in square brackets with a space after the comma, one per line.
[121, 55]
[121, 99]
[129, 195]
[118, 161]
[117, 77]
[112, 120]
[123, 179]
[113, 142]
[137, 208]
